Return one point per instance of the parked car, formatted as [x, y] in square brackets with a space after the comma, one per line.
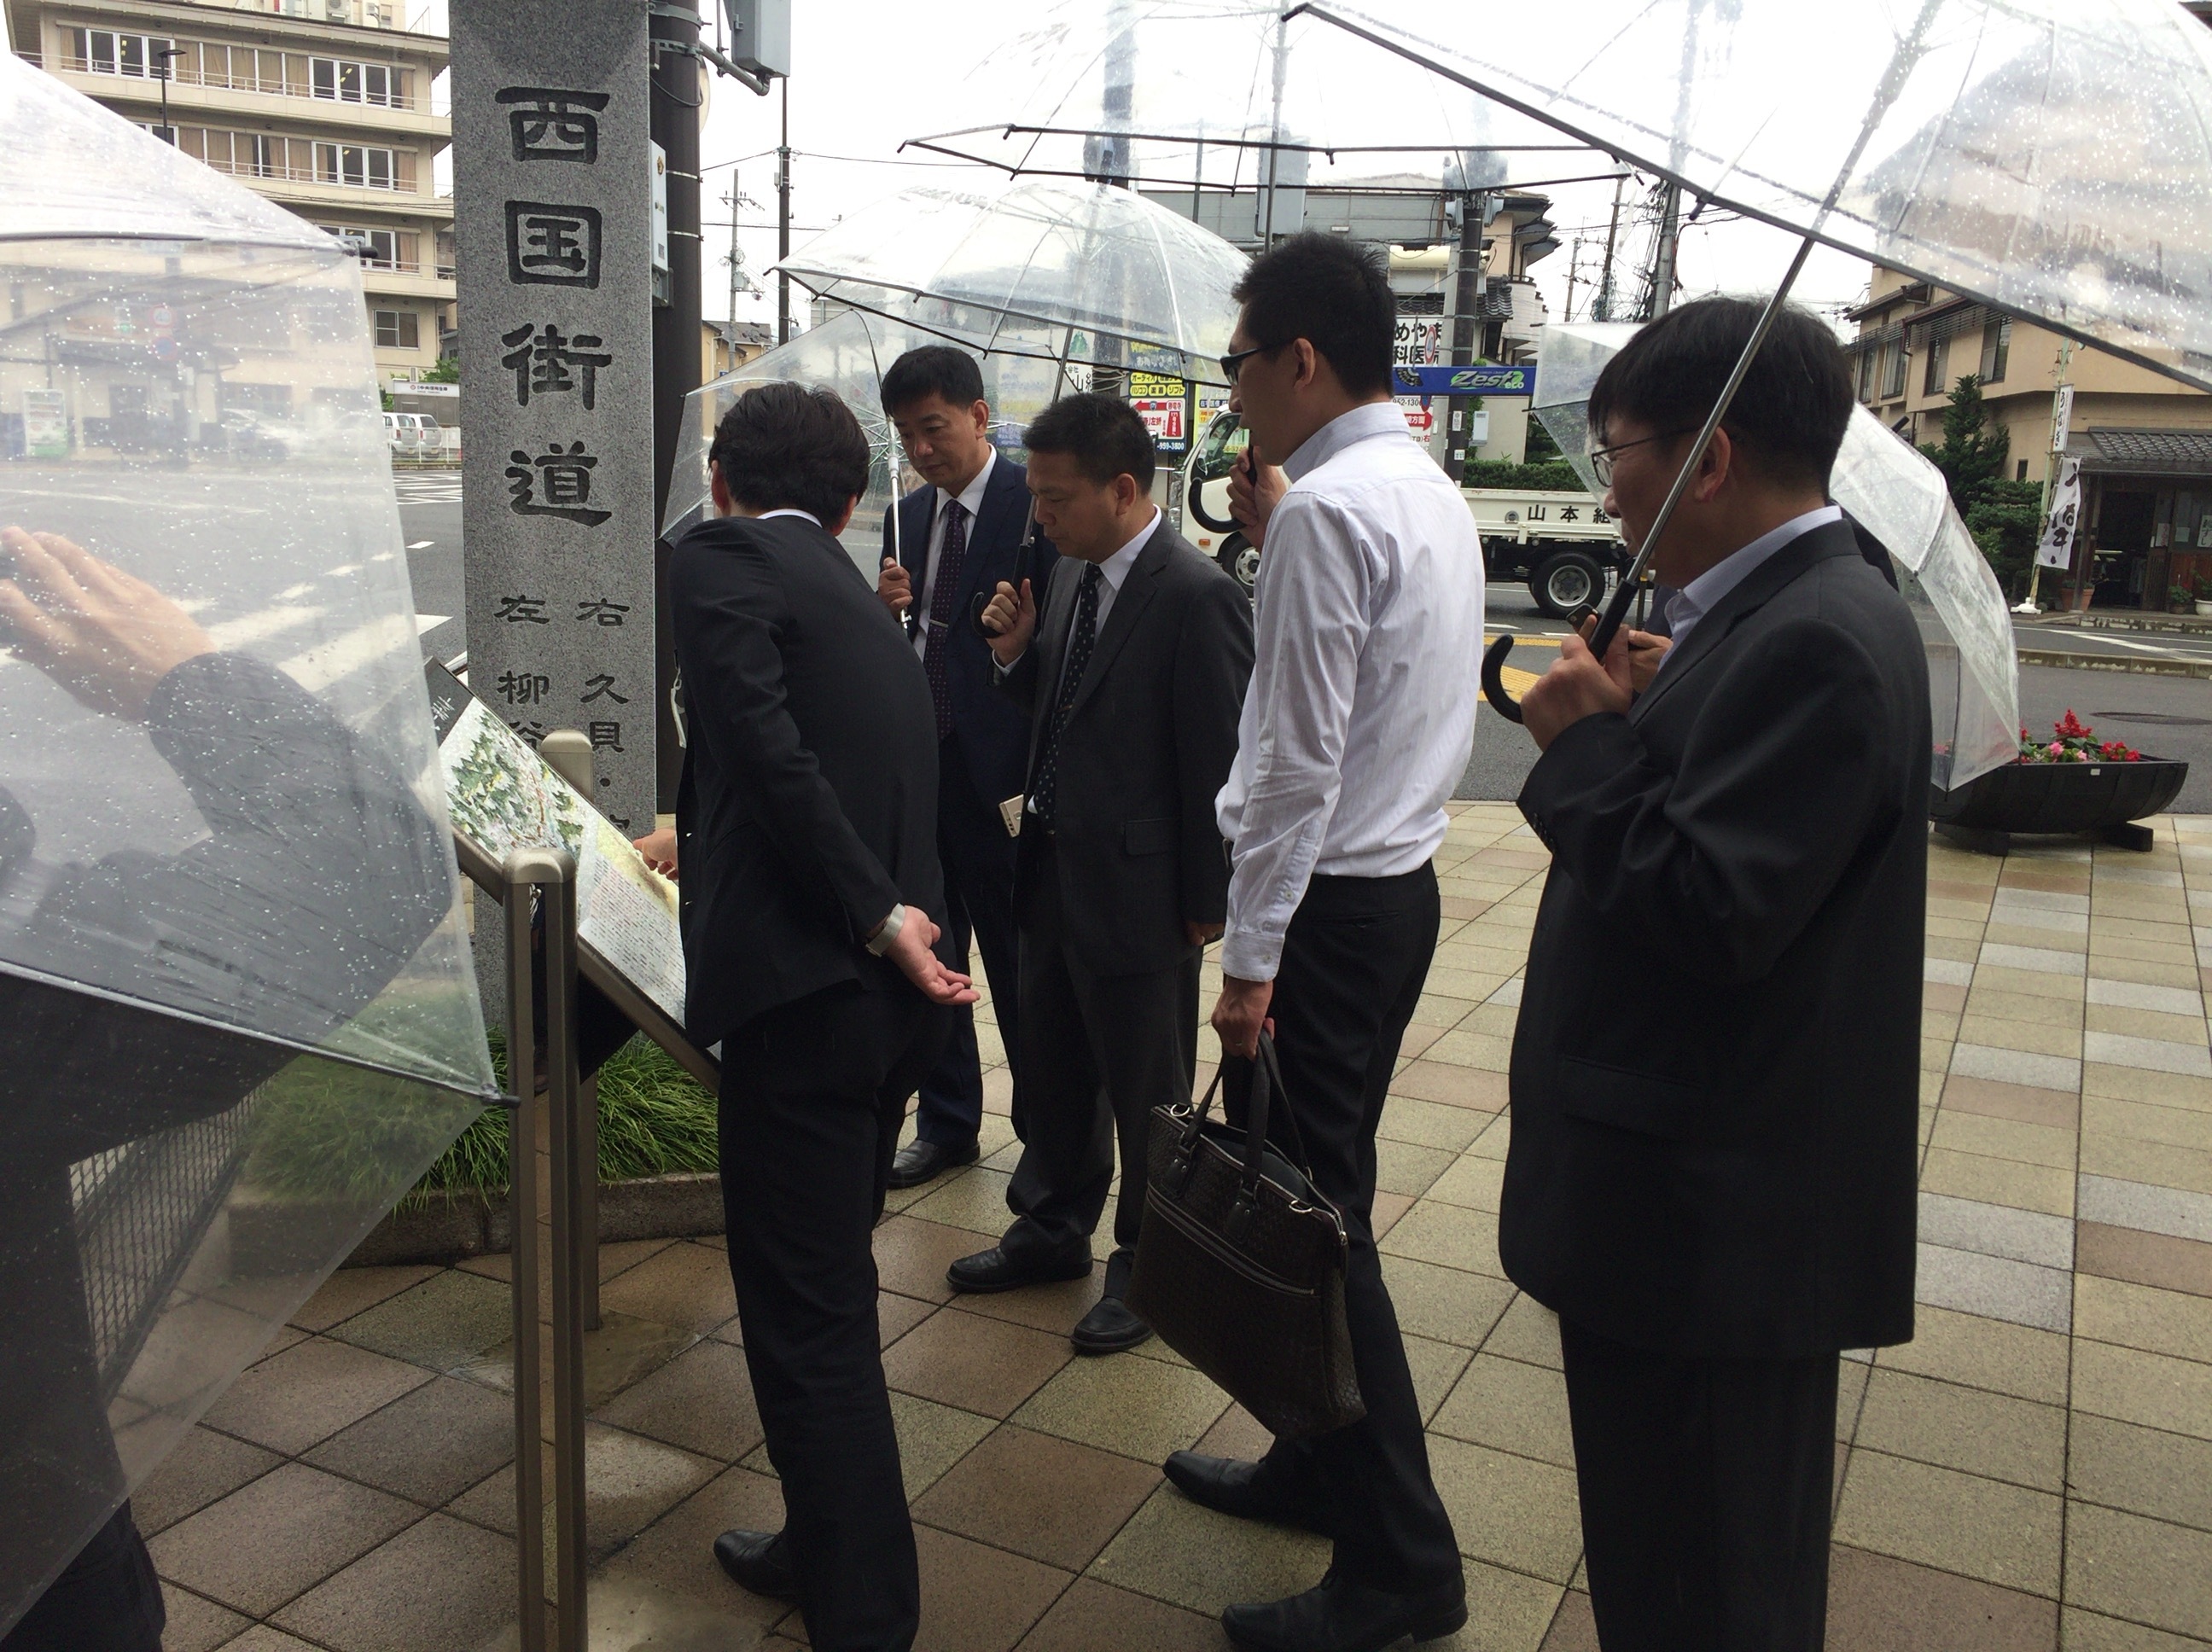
[412, 435]
[1562, 544]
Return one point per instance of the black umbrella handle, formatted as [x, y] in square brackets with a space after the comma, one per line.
[1025, 562]
[1493, 679]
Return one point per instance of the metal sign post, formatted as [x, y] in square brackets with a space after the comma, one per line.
[550, 874]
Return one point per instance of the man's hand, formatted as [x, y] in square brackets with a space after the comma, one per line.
[1011, 618]
[1197, 934]
[895, 587]
[1255, 489]
[659, 848]
[1647, 651]
[1577, 686]
[1240, 1015]
[105, 636]
[909, 950]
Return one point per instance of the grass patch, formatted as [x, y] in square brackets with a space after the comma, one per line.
[654, 1119]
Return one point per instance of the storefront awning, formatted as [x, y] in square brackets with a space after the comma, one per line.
[2146, 452]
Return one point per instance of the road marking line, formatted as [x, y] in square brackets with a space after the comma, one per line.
[422, 544]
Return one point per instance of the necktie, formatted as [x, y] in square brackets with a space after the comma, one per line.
[943, 604]
[1043, 795]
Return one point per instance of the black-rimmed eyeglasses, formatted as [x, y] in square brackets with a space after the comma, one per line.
[1601, 459]
[1234, 360]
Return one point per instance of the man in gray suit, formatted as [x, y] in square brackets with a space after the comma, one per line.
[1134, 678]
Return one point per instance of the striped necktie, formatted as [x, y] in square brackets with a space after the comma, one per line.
[1082, 636]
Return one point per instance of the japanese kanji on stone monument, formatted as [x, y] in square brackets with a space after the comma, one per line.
[553, 200]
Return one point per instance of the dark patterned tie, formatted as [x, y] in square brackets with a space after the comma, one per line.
[1044, 794]
[943, 604]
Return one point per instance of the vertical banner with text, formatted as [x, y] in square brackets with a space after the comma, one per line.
[553, 211]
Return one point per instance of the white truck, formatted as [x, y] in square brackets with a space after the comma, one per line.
[1562, 544]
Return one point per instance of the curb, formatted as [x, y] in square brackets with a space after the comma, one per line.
[2141, 665]
[452, 1226]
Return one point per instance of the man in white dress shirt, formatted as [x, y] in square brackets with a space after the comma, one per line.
[1358, 723]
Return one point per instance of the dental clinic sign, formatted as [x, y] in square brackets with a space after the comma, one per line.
[553, 209]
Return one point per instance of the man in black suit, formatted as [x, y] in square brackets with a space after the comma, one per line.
[947, 546]
[806, 833]
[1132, 682]
[1715, 1081]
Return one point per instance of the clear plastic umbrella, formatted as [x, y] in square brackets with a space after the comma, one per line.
[1046, 268]
[237, 1014]
[2046, 156]
[1191, 91]
[847, 353]
[1890, 488]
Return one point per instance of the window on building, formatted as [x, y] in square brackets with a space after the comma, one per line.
[383, 249]
[362, 166]
[397, 329]
[1866, 373]
[1931, 381]
[109, 51]
[346, 81]
[1997, 346]
[2020, 471]
[1892, 376]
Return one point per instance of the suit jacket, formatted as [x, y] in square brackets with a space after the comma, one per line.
[1715, 1077]
[991, 734]
[1147, 747]
[808, 804]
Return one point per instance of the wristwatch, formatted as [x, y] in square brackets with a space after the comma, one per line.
[879, 939]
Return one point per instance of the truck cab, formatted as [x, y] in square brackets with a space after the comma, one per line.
[1561, 543]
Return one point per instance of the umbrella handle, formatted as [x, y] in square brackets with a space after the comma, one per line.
[1493, 679]
[1024, 560]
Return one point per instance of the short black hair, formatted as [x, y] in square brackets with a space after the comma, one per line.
[1790, 413]
[783, 445]
[1106, 438]
[933, 369]
[1332, 293]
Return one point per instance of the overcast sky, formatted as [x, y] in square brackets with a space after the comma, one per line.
[867, 74]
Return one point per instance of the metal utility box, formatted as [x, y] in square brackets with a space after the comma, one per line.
[760, 35]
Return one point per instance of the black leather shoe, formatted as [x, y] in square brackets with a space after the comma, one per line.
[1109, 1328]
[993, 1270]
[759, 1561]
[1341, 1616]
[1229, 1485]
[920, 1161]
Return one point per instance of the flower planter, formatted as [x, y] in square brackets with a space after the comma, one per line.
[453, 1225]
[2057, 798]
[2204, 608]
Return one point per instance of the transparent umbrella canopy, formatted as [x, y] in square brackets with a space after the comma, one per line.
[1045, 267]
[237, 1014]
[2045, 156]
[849, 353]
[1891, 488]
[1203, 90]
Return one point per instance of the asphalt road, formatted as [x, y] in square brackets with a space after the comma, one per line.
[431, 524]
[2163, 716]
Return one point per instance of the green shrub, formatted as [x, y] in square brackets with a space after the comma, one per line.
[1555, 476]
[654, 1119]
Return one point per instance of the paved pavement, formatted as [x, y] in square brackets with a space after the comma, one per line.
[2034, 1469]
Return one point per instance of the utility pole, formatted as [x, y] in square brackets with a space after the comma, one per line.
[1602, 308]
[1662, 253]
[1574, 268]
[678, 89]
[783, 220]
[1467, 296]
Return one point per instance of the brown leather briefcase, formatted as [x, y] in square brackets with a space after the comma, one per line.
[1240, 1263]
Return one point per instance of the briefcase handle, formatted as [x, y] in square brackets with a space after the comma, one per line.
[1266, 1082]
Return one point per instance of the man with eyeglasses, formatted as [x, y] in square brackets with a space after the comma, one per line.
[1368, 615]
[1715, 1083]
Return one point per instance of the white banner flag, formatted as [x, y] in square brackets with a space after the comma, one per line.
[2056, 548]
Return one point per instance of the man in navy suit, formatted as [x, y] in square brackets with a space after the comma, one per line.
[945, 546]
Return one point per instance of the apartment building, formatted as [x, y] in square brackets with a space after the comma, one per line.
[2144, 442]
[322, 106]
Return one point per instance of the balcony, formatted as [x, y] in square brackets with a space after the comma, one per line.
[275, 86]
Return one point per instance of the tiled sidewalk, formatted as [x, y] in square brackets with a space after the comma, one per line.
[2035, 1471]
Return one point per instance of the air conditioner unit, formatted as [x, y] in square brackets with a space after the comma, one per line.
[339, 11]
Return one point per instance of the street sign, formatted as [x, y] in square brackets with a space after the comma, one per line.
[553, 196]
[1481, 379]
[2062, 418]
[1163, 416]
